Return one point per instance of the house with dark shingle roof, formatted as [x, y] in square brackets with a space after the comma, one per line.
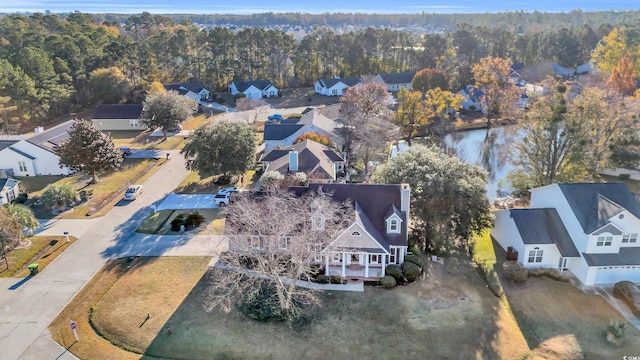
[118, 117]
[36, 155]
[9, 190]
[193, 90]
[319, 162]
[588, 229]
[284, 133]
[376, 236]
[334, 87]
[396, 81]
[253, 89]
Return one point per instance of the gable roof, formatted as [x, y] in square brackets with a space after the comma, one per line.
[8, 182]
[6, 143]
[177, 88]
[398, 77]
[118, 111]
[313, 158]
[243, 85]
[53, 137]
[594, 203]
[373, 200]
[543, 226]
[275, 131]
[328, 83]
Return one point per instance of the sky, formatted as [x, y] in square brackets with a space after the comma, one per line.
[306, 6]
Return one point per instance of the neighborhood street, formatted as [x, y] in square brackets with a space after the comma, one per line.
[27, 306]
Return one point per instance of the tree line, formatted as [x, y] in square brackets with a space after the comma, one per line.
[52, 65]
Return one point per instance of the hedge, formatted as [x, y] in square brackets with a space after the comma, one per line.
[388, 282]
[484, 255]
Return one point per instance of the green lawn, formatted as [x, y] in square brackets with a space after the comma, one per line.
[160, 222]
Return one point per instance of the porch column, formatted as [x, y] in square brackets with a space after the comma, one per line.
[326, 265]
[383, 258]
[344, 264]
[366, 265]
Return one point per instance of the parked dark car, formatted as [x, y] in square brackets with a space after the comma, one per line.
[629, 293]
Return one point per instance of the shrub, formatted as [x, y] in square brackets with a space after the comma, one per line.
[410, 271]
[515, 272]
[239, 96]
[323, 279]
[178, 221]
[550, 273]
[294, 116]
[21, 198]
[395, 271]
[194, 219]
[336, 280]
[415, 259]
[624, 177]
[615, 332]
[388, 282]
[263, 306]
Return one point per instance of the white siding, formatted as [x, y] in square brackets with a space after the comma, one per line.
[506, 233]
[117, 124]
[550, 256]
[604, 275]
[253, 92]
[593, 248]
[45, 162]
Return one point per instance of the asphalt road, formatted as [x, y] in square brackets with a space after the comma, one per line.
[27, 306]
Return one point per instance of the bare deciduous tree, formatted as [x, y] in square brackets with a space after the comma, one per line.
[273, 242]
[251, 110]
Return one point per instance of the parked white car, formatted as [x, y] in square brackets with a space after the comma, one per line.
[133, 192]
[228, 191]
[221, 199]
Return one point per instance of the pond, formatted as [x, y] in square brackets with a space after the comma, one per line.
[486, 148]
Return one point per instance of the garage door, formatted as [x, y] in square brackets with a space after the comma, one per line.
[615, 274]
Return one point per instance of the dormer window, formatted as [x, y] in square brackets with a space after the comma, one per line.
[393, 224]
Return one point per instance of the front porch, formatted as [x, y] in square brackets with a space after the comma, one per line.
[373, 273]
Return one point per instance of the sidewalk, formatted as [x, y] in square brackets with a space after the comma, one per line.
[34, 302]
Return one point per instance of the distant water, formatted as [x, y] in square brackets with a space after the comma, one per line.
[354, 6]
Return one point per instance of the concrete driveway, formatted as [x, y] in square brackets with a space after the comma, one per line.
[606, 291]
[27, 306]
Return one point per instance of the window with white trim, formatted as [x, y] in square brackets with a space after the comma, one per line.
[393, 255]
[393, 225]
[317, 222]
[22, 165]
[285, 242]
[535, 255]
[629, 238]
[336, 257]
[374, 259]
[334, 92]
[134, 123]
[256, 243]
[604, 241]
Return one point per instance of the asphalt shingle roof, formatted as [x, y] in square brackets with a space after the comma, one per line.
[280, 131]
[347, 81]
[626, 256]
[594, 203]
[374, 200]
[243, 85]
[544, 226]
[313, 159]
[53, 137]
[6, 143]
[398, 78]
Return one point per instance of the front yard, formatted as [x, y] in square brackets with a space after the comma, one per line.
[297, 97]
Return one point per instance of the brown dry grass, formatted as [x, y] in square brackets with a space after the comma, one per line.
[41, 251]
[558, 319]
[449, 314]
[194, 184]
[154, 286]
[91, 346]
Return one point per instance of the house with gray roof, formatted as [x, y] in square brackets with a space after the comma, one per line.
[376, 234]
[319, 162]
[253, 89]
[9, 190]
[193, 90]
[396, 81]
[118, 117]
[588, 229]
[335, 86]
[283, 133]
[35, 155]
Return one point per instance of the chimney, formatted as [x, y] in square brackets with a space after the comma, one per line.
[38, 130]
[405, 197]
[293, 160]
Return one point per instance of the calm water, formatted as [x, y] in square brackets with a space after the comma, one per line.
[488, 149]
[361, 6]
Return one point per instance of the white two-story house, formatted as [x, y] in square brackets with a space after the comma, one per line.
[589, 229]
